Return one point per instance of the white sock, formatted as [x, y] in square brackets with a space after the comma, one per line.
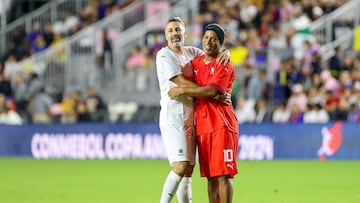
[170, 186]
[184, 192]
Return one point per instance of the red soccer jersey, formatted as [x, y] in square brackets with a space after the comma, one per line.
[211, 114]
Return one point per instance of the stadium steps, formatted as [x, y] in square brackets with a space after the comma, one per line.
[49, 12]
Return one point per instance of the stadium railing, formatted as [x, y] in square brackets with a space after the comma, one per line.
[337, 28]
[48, 13]
[333, 30]
[78, 69]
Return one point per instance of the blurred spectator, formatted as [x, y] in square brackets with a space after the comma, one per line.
[11, 67]
[345, 83]
[95, 105]
[21, 97]
[331, 104]
[18, 37]
[282, 80]
[248, 12]
[316, 13]
[258, 86]
[281, 114]
[135, 65]
[10, 117]
[316, 65]
[247, 75]
[310, 52]
[299, 34]
[68, 105]
[39, 44]
[156, 45]
[40, 107]
[355, 95]
[287, 11]
[137, 59]
[3, 102]
[328, 6]
[342, 110]
[263, 113]
[335, 63]
[316, 114]
[11, 49]
[35, 84]
[245, 110]
[5, 84]
[316, 81]
[58, 47]
[48, 34]
[330, 83]
[71, 24]
[298, 99]
[104, 50]
[94, 11]
[277, 39]
[295, 75]
[24, 50]
[347, 63]
[354, 113]
[315, 96]
[254, 41]
[82, 112]
[7, 115]
[35, 31]
[296, 114]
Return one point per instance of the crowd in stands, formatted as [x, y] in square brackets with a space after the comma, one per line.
[24, 97]
[301, 88]
[296, 89]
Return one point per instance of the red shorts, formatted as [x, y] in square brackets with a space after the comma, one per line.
[218, 153]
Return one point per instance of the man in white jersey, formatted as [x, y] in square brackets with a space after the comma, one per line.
[177, 115]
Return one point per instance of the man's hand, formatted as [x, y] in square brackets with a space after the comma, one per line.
[175, 92]
[223, 57]
[226, 99]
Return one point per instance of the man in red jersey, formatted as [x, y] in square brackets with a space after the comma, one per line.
[217, 132]
[176, 120]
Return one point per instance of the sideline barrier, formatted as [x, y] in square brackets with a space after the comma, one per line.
[143, 141]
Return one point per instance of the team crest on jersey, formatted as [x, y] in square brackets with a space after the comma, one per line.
[212, 70]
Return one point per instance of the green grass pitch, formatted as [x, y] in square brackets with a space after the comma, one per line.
[25, 180]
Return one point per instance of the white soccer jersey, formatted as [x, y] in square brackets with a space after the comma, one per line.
[176, 115]
[169, 64]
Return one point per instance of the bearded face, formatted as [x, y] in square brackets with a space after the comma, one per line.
[175, 34]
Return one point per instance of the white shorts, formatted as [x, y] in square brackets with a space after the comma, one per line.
[179, 143]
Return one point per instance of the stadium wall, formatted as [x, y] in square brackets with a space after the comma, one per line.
[339, 141]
